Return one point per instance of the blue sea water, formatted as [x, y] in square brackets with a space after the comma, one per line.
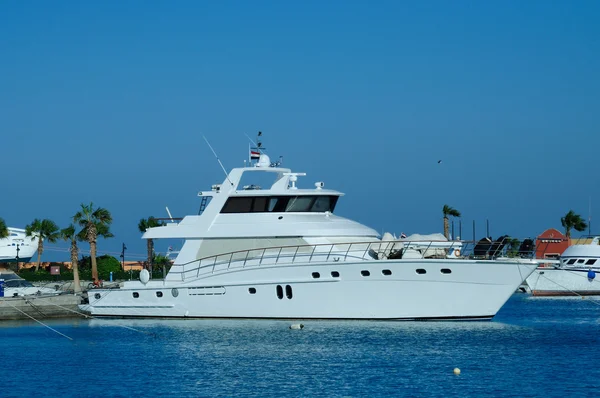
[534, 347]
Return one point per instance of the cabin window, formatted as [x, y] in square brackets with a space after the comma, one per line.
[288, 291]
[386, 272]
[316, 275]
[280, 204]
[591, 261]
[300, 204]
[571, 261]
[259, 204]
[365, 272]
[237, 205]
[159, 294]
[446, 271]
[136, 295]
[421, 271]
[252, 290]
[580, 261]
[279, 292]
[97, 296]
[335, 274]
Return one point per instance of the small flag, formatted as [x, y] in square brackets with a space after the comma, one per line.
[254, 154]
[402, 235]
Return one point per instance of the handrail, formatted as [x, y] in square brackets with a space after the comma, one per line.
[373, 250]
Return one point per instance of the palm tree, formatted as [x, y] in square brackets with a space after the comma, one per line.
[68, 234]
[3, 229]
[572, 221]
[94, 223]
[448, 211]
[143, 225]
[44, 230]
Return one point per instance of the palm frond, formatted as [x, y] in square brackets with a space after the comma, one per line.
[3, 229]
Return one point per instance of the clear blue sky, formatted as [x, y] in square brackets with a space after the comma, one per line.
[108, 101]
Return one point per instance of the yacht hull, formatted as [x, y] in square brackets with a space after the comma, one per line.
[562, 282]
[376, 290]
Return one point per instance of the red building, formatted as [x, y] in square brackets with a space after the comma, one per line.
[550, 244]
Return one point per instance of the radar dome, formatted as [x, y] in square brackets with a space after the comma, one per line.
[144, 276]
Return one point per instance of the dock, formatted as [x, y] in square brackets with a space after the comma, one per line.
[40, 307]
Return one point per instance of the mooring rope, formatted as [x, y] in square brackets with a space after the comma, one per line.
[569, 290]
[83, 314]
[40, 322]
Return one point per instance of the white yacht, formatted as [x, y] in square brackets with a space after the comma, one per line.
[573, 275]
[282, 252]
[17, 246]
[15, 286]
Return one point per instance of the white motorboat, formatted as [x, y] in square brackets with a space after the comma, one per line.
[17, 247]
[282, 252]
[15, 286]
[573, 275]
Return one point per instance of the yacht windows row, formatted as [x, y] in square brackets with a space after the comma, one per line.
[280, 204]
[583, 261]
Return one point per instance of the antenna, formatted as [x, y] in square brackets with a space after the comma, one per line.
[169, 213]
[218, 160]
[590, 217]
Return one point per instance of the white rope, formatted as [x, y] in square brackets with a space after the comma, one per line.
[569, 290]
[41, 323]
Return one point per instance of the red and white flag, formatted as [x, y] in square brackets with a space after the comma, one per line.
[254, 154]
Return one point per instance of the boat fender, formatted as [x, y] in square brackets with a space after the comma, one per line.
[144, 276]
[296, 326]
[591, 275]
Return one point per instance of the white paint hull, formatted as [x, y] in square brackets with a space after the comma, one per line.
[562, 282]
[473, 290]
[8, 246]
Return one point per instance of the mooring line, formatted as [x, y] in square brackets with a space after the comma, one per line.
[572, 291]
[93, 317]
[41, 323]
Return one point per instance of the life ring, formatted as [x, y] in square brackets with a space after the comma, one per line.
[457, 252]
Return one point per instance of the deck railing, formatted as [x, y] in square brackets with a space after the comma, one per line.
[342, 252]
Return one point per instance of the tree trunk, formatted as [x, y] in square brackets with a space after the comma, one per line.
[76, 282]
[40, 250]
[150, 246]
[568, 233]
[93, 258]
[446, 233]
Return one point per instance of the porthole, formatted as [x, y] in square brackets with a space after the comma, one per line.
[421, 271]
[159, 294]
[279, 292]
[136, 295]
[175, 292]
[288, 291]
[335, 274]
[97, 296]
[446, 271]
[252, 290]
[316, 275]
[386, 272]
[365, 272]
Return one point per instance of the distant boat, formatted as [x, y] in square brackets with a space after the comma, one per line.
[15, 286]
[574, 274]
[17, 245]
